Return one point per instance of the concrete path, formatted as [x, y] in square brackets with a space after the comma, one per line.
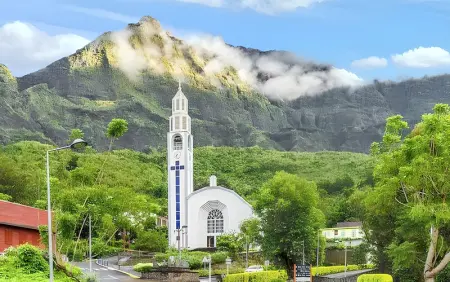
[349, 273]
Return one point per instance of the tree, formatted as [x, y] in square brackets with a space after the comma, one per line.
[287, 206]
[76, 134]
[116, 129]
[231, 243]
[412, 182]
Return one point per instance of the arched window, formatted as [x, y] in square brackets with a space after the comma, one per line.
[177, 142]
[215, 221]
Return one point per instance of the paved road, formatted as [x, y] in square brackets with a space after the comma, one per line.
[349, 273]
[104, 274]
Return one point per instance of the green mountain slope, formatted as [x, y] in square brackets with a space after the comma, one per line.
[102, 81]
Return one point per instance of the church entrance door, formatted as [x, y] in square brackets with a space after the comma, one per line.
[210, 241]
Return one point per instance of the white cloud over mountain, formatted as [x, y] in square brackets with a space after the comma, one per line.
[423, 57]
[370, 63]
[24, 48]
[263, 6]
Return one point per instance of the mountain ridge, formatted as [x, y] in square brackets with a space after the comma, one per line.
[90, 87]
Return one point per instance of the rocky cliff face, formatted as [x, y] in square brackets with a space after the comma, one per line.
[124, 75]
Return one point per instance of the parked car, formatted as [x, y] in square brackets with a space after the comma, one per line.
[254, 268]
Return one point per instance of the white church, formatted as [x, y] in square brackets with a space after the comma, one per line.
[196, 218]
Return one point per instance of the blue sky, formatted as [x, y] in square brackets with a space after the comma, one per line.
[338, 32]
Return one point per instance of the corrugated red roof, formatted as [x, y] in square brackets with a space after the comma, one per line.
[22, 216]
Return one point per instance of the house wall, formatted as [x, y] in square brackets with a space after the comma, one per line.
[14, 236]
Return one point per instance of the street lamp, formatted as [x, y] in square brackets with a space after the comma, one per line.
[76, 144]
[228, 262]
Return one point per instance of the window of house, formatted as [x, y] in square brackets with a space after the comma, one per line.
[336, 232]
[178, 104]
[182, 104]
[342, 233]
[177, 143]
[353, 233]
[215, 221]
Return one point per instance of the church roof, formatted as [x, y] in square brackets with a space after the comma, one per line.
[179, 93]
[219, 188]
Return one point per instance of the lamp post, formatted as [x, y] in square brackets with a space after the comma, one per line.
[76, 144]
[228, 262]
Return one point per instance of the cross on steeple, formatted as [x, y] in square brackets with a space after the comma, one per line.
[179, 84]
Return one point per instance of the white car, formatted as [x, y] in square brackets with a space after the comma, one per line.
[254, 268]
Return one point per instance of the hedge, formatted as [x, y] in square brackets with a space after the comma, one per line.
[143, 267]
[375, 278]
[262, 276]
[325, 270]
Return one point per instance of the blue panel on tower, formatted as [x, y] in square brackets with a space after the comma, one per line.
[177, 198]
[177, 163]
[172, 168]
[181, 166]
[178, 206]
[177, 173]
[178, 224]
[177, 180]
[178, 215]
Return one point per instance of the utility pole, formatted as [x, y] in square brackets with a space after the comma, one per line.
[90, 244]
[318, 245]
[246, 253]
[303, 252]
[345, 262]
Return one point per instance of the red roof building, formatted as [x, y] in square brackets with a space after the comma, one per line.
[19, 224]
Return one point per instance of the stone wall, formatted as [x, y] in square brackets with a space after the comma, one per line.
[171, 276]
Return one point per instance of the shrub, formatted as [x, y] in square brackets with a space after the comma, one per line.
[143, 267]
[219, 257]
[375, 278]
[262, 276]
[30, 259]
[325, 270]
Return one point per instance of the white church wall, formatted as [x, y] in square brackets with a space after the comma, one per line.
[233, 207]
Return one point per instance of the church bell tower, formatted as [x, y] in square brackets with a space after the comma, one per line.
[180, 169]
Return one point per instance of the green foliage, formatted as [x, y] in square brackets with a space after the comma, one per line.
[117, 128]
[262, 276]
[220, 271]
[4, 197]
[360, 253]
[143, 267]
[76, 134]
[326, 270]
[27, 264]
[232, 243]
[375, 278]
[411, 195]
[152, 241]
[288, 208]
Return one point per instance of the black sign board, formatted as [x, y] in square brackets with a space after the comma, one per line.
[303, 270]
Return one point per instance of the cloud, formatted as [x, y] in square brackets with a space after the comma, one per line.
[278, 75]
[24, 48]
[103, 14]
[423, 57]
[370, 63]
[270, 7]
[210, 3]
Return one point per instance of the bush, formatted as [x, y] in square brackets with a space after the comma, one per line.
[205, 272]
[325, 270]
[143, 267]
[30, 259]
[219, 257]
[262, 276]
[375, 278]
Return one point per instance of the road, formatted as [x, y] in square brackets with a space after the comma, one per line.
[349, 273]
[104, 274]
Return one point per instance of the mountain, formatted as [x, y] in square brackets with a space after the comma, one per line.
[237, 96]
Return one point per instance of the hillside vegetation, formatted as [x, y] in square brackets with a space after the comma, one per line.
[124, 189]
